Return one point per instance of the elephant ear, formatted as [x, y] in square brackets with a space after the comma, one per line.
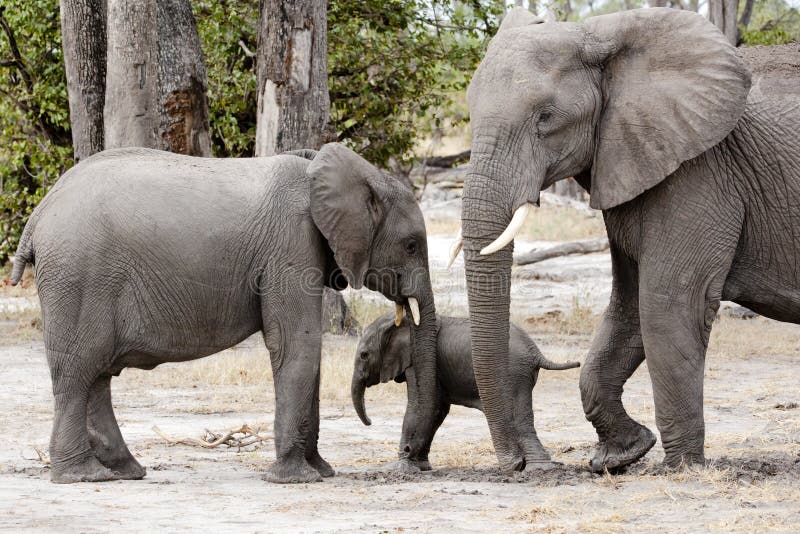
[672, 88]
[396, 351]
[345, 207]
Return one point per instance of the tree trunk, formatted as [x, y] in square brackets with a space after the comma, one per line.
[582, 246]
[83, 38]
[747, 13]
[293, 102]
[156, 80]
[182, 81]
[658, 3]
[131, 111]
[723, 14]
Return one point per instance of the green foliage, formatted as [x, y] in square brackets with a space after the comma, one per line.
[35, 141]
[394, 64]
[774, 22]
[222, 26]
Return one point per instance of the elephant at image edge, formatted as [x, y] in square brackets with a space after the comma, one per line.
[699, 186]
[144, 257]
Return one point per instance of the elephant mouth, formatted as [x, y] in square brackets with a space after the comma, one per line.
[409, 303]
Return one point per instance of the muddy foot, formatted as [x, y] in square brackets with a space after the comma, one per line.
[422, 465]
[128, 470]
[613, 454]
[545, 465]
[90, 470]
[322, 467]
[292, 472]
[406, 466]
[679, 461]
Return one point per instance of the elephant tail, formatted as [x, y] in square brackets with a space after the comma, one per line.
[544, 363]
[24, 253]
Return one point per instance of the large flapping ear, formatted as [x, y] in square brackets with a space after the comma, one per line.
[519, 16]
[344, 207]
[395, 351]
[672, 88]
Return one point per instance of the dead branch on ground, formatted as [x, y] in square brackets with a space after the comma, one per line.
[582, 246]
[238, 438]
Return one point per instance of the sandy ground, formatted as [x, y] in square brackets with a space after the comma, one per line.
[752, 416]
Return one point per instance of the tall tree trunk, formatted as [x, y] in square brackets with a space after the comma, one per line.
[182, 81]
[156, 81]
[83, 38]
[131, 110]
[747, 13]
[723, 14]
[293, 102]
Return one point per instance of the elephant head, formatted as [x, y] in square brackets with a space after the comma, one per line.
[376, 233]
[621, 100]
[383, 354]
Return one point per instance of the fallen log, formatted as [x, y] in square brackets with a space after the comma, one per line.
[583, 246]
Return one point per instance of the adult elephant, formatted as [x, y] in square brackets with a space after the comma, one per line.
[144, 257]
[699, 187]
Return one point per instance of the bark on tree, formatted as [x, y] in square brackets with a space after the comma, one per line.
[723, 14]
[747, 13]
[293, 101]
[83, 39]
[156, 81]
[184, 126]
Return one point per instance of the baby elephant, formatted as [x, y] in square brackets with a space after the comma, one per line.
[384, 354]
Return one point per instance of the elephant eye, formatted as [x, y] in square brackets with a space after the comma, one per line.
[364, 355]
[411, 247]
[544, 116]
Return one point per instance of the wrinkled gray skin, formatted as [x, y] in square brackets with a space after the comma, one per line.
[699, 186]
[144, 257]
[384, 353]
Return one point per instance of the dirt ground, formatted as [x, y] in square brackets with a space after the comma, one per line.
[752, 482]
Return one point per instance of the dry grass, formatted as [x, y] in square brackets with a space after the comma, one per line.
[580, 320]
[736, 338]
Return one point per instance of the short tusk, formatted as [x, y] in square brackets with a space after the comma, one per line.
[399, 310]
[455, 248]
[414, 305]
[510, 232]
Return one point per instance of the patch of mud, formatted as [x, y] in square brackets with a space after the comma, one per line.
[559, 475]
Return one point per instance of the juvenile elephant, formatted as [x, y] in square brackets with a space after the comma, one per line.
[699, 187]
[384, 353]
[144, 257]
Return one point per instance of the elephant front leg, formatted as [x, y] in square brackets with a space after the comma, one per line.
[295, 357]
[312, 453]
[616, 352]
[104, 436]
[409, 460]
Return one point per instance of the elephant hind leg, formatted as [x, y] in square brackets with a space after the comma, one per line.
[313, 456]
[536, 456]
[617, 351]
[71, 455]
[105, 437]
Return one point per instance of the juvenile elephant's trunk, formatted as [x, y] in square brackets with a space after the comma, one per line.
[357, 389]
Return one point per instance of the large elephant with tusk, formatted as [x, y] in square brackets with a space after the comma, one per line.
[699, 184]
[144, 257]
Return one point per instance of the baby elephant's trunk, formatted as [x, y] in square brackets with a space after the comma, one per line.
[357, 388]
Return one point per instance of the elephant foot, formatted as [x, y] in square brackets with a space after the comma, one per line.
[287, 471]
[623, 449]
[323, 468]
[128, 469]
[422, 465]
[90, 470]
[406, 466]
[673, 461]
[544, 465]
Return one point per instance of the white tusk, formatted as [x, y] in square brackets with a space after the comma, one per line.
[399, 310]
[455, 248]
[510, 232]
[414, 305]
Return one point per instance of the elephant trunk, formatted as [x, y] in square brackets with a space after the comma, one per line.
[423, 358]
[550, 365]
[488, 206]
[357, 389]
